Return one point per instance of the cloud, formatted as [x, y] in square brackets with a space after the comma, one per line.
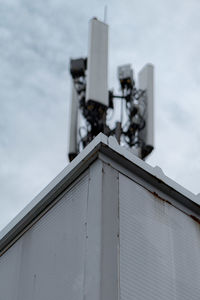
[37, 39]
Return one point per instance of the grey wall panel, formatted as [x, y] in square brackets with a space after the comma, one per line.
[9, 272]
[93, 247]
[47, 262]
[159, 247]
[102, 234]
[110, 234]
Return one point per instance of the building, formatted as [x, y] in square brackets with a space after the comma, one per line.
[108, 227]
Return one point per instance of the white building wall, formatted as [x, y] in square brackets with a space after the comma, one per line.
[47, 262]
[159, 247]
[109, 237]
[71, 252]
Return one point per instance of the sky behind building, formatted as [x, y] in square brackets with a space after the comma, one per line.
[37, 39]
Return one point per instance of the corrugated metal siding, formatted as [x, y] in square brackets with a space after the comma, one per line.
[47, 262]
[159, 247]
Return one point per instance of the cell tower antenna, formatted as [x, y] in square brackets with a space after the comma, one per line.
[91, 97]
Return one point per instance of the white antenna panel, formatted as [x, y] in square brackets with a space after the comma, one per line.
[73, 122]
[97, 65]
[146, 82]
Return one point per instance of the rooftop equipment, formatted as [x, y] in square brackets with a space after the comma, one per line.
[90, 79]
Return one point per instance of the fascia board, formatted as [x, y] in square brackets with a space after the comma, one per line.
[154, 175]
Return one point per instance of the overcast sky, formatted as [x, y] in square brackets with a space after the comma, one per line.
[37, 39]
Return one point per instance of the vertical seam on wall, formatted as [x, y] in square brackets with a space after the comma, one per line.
[118, 236]
[86, 238]
[102, 232]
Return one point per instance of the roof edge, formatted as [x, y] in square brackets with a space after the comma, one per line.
[110, 147]
[51, 191]
[154, 175]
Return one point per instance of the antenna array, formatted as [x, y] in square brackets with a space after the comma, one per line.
[91, 96]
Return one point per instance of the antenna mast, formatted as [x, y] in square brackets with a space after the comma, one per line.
[93, 99]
